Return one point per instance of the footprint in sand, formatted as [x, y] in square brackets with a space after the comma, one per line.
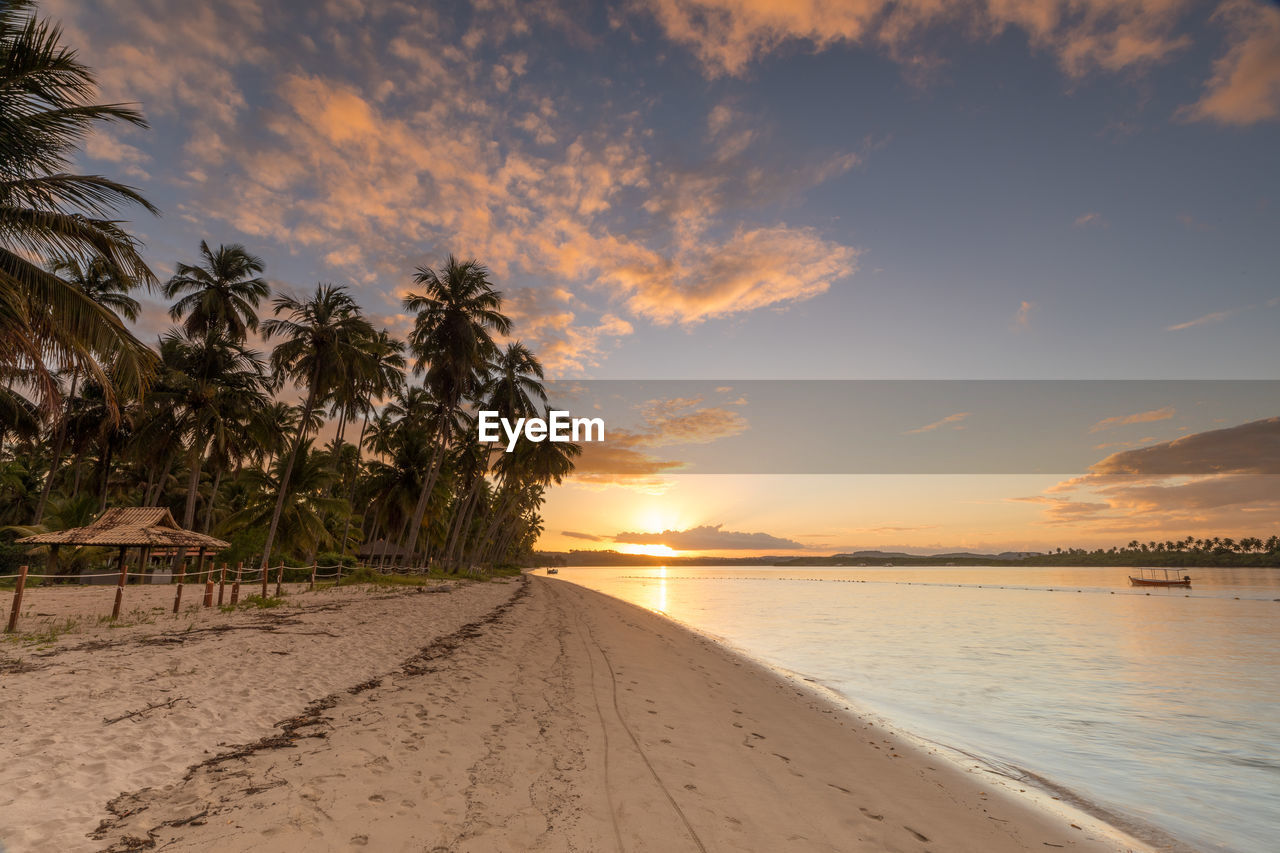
[869, 814]
[919, 835]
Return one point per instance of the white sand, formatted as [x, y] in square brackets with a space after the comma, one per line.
[229, 682]
[567, 721]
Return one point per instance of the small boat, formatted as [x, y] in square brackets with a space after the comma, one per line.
[1160, 577]
[553, 571]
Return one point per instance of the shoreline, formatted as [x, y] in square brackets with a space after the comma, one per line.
[1041, 792]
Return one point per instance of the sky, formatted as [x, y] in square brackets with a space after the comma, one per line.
[734, 190]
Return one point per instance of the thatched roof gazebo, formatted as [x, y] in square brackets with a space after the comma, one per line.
[147, 528]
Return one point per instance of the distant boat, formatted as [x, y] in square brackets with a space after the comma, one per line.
[553, 571]
[1159, 577]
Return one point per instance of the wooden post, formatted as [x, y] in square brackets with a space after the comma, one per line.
[222, 583]
[208, 579]
[182, 576]
[312, 587]
[266, 575]
[280, 580]
[142, 563]
[17, 601]
[235, 587]
[124, 568]
[338, 582]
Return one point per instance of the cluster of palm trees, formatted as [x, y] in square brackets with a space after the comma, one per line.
[1191, 545]
[204, 423]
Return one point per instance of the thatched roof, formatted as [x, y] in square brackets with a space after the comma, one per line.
[133, 527]
[377, 547]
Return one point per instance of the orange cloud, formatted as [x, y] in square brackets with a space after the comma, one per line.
[1022, 319]
[950, 420]
[727, 35]
[1140, 418]
[1216, 479]
[1245, 85]
[710, 537]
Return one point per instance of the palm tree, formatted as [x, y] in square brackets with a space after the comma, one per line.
[46, 111]
[222, 292]
[323, 341]
[383, 377]
[451, 342]
[304, 483]
[212, 384]
[514, 389]
[102, 284]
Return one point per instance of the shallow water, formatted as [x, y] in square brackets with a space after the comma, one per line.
[1162, 705]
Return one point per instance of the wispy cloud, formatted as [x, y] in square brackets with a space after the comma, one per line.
[1215, 317]
[1090, 219]
[952, 421]
[573, 534]
[1191, 223]
[1139, 418]
[1022, 318]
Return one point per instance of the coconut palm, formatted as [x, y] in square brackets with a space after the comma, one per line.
[451, 340]
[46, 111]
[322, 344]
[513, 389]
[222, 292]
[383, 376]
[103, 285]
[304, 484]
[212, 383]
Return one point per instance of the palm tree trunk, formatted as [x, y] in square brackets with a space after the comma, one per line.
[461, 518]
[287, 474]
[420, 509]
[355, 479]
[79, 471]
[106, 480]
[58, 445]
[193, 489]
[152, 500]
[213, 495]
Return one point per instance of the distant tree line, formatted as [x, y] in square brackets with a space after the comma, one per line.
[1189, 551]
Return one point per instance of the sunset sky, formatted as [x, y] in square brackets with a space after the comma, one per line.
[733, 190]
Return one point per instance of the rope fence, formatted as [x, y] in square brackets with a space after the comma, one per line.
[220, 583]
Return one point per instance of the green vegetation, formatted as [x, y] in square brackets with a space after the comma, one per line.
[203, 423]
[253, 602]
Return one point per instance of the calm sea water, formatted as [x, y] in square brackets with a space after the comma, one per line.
[1161, 707]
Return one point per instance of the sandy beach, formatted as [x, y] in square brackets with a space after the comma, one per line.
[521, 715]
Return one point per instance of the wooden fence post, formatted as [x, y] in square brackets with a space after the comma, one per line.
[266, 574]
[222, 583]
[124, 568]
[208, 580]
[338, 582]
[312, 587]
[182, 576]
[235, 587]
[280, 580]
[17, 601]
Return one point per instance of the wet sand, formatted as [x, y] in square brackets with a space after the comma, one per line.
[563, 720]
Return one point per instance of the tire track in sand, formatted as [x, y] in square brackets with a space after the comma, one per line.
[635, 741]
